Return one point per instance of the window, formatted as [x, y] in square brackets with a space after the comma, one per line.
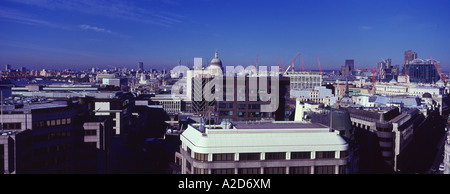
[223, 157]
[188, 165]
[275, 156]
[249, 156]
[90, 132]
[275, 170]
[226, 113]
[189, 151]
[324, 155]
[242, 106]
[201, 157]
[300, 155]
[222, 171]
[324, 170]
[300, 170]
[249, 171]
[12, 126]
[254, 106]
[200, 171]
[343, 154]
[342, 169]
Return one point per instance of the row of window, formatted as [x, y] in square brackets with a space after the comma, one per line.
[51, 123]
[361, 126]
[52, 149]
[268, 156]
[329, 169]
[246, 114]
[52, 136]
[12, 126]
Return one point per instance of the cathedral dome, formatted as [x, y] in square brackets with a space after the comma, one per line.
[215, 67]
[216, 61]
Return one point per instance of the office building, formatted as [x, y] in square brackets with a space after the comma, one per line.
[410, 56]
[141, 66]
[320, 94]
[246, 102]
[304, 80]
[262, 148]
[383, 135]
[350, 64]
[51, 137]
[171, 104]
[7, 67]
[423, 71]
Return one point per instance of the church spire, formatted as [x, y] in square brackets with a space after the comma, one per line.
[216, 55]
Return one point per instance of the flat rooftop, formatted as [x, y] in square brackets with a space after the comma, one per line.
[276, 125]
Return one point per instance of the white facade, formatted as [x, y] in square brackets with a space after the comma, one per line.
[319, 94]
[391, 89]
[304, 79]
[262, 138]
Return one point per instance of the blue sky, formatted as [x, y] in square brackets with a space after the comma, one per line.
[78, 34]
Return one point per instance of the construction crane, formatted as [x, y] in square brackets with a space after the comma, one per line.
[290, 65]
[320, 68]
[439, 72]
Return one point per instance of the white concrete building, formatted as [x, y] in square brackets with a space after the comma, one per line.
[262, 148]
[304, 79]
[319, 94]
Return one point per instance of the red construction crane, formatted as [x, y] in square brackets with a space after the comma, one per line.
[279, 68]
[320, 68]
[290, 65]
[439, 72]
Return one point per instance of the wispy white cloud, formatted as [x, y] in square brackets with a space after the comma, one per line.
[16, 16]
[112, 8]
[94, 28]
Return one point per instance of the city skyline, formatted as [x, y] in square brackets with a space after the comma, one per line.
[78, 35]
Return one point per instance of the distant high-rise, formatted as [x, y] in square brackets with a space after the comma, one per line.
[348, 67]
[410, 56]
[140, 66]
[350, 63]
[7, 67]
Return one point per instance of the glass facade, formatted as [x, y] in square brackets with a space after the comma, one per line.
[423, 73]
